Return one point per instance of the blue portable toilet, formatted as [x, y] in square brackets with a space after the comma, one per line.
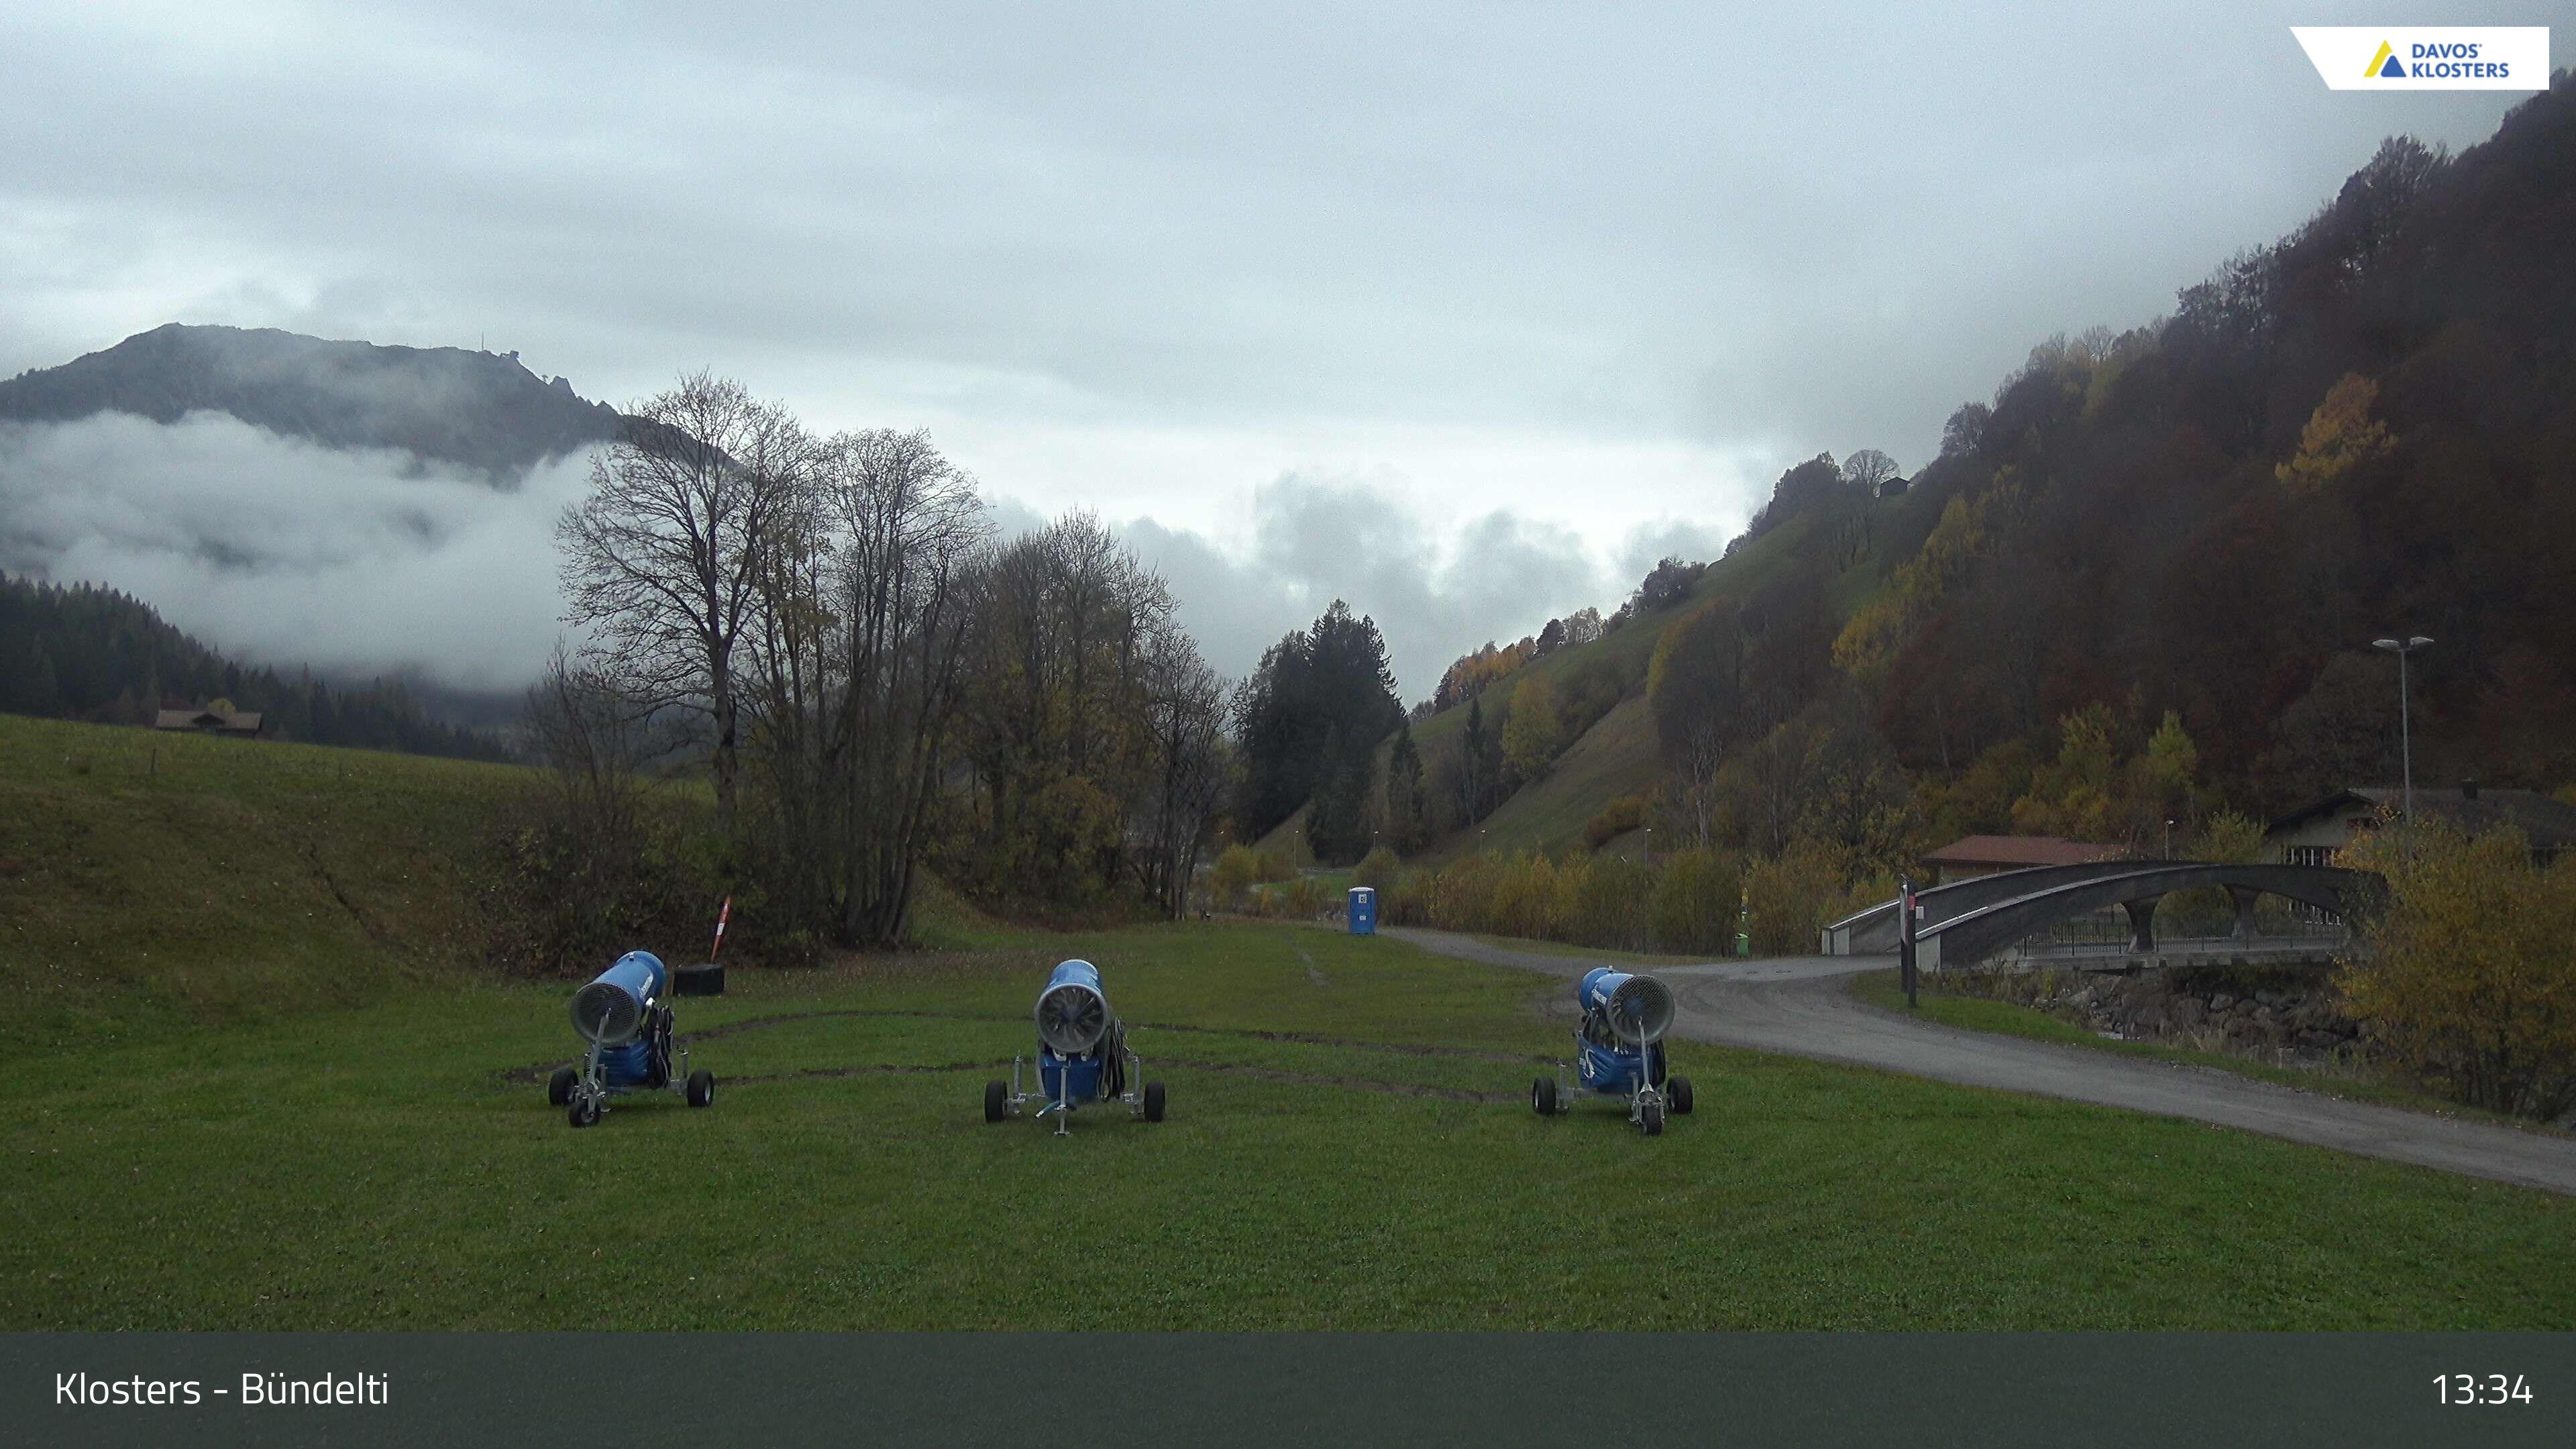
[1363, 910]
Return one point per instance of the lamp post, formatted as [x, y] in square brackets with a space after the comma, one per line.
[2405, 728]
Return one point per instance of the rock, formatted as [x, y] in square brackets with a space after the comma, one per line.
[2219, 1003]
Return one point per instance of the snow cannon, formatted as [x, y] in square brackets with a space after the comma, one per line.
[1082, 1056]
[623, 1016]
[1619, 1050]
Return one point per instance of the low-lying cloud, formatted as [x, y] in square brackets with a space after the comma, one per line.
[358, 563]
[1435, 591]
[286, 553]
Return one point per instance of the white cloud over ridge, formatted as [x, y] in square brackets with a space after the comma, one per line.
[1436, 591]
[281, 552]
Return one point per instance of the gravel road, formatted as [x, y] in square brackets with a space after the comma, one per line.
[1802, 1006]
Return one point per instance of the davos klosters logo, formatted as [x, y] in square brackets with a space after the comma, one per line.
[2438, 60]
[2449, 58]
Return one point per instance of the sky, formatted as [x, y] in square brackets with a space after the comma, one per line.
[1463, 312]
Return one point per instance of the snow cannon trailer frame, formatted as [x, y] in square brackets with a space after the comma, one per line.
[1082, 1056]
[623, 1015]
[1619, 1052]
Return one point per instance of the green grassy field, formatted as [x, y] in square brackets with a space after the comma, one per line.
[152, 879]
[1348, 1147]
[365, 1143]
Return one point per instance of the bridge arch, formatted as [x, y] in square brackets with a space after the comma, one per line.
[1875, 929]
[2011, 908]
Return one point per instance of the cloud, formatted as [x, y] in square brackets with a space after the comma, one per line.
[281, 552]
[1649, 544]
[1122, 231]
[364, 562]
[1435, 591]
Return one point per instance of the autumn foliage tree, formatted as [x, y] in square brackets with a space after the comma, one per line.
[2468, 978]
[2340, 435]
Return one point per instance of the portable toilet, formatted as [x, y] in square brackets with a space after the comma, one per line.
[1363, 910]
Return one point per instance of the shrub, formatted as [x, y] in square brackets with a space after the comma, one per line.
[1299, 900]
[1696, 901]
[1241, 868]
[1793, 897]
[1617, 818]
[562, 899]
[2468, 979]
[1376, 869]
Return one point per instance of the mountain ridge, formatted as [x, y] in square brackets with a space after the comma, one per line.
[480, 411]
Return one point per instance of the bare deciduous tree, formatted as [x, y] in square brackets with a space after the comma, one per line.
[662, 562]
[1186, 710]
[911, 538]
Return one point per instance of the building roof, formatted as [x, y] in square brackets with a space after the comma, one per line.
[206, 719]
[2019, 850]
[2546, 823]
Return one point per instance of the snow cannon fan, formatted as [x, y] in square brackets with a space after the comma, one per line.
[1082, 1056]
[1619, 1050]
[622, 1015]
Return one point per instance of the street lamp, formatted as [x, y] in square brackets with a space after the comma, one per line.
[2405, 730]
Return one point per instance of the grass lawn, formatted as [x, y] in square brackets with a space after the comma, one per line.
[1348, 1147]
[149, 880]
[257, 1081]
[1979, 1013]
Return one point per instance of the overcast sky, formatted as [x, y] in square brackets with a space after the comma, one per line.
[1461, 311]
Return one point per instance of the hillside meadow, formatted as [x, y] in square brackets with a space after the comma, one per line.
[256, 1107]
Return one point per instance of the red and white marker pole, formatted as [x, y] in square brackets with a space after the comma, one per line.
[723, 915]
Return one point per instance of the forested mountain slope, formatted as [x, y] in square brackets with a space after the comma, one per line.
[89, 653]
[2362, 429]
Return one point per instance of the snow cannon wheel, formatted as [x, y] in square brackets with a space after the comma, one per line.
[997, 1101]
[702, 1088]
[1650, 1119]
[584, 1110]
[1543, 1096]
[1153, 1101]
[1680, 1090]
[559, 1086]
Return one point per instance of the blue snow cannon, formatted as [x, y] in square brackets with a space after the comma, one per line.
[623, 1016]
[1082, 1056]
[1619, 1050]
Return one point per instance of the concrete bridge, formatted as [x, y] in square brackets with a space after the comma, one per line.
[2005, 916]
